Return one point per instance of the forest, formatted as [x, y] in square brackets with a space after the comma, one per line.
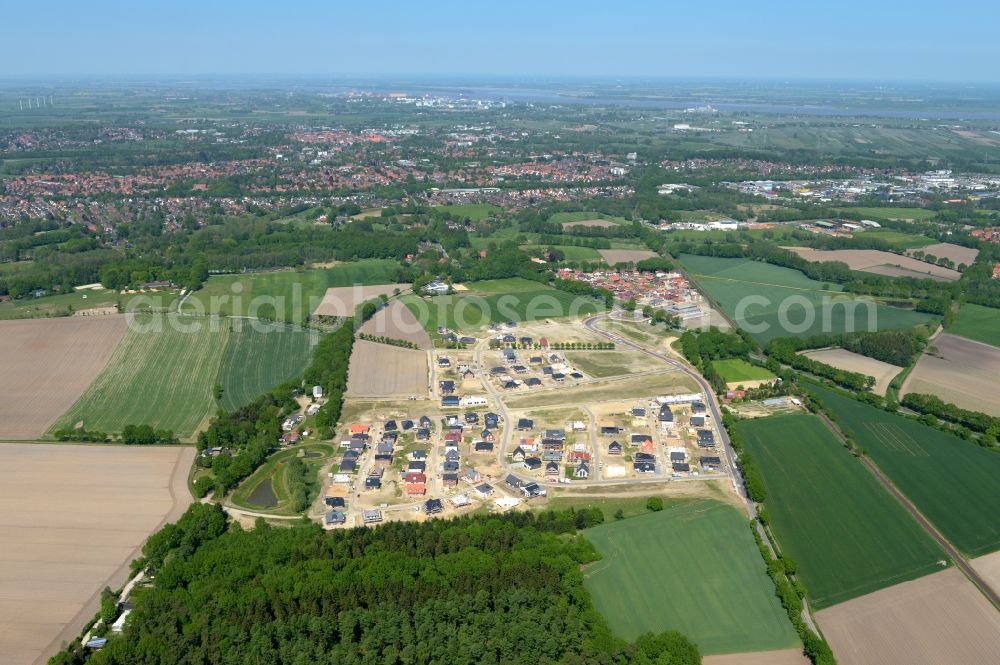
[491, 589]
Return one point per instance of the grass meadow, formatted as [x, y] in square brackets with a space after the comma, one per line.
[977, 322]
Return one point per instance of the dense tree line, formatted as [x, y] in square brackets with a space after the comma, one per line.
[584, 289]
[700, 349]
[896, 347]
[490, 589]
[752, 480]
[974, 420]
[785, 350]
[144, 435]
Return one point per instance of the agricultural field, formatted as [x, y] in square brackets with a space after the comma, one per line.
[257, 358]
[849, 361]
[160, 374]
[85, 302]
[603, 364]
[381, 370]
[960, 371]
[396, 321]
[847, 535]
[977, 322]
[48, 364]
[569, 219]
[880, 263]
[344, 300]
[737, 370]
[957, 253]
[289, 295]
[616, 256]
[900, 240]
[569, 252]
[53, 568]
[474, 211]
[670, 382]
[771, 301]
[941, 618]
[951, 481]
[988, 568]
[468, 311]
[693, 568]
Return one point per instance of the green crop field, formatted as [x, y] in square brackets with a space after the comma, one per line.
[915, 214]
[474, 211]
[284, 296]
[900, 240]
[693, 568]
[734, 370]
[159, 375]
[472, 311]
[977, 322]
[847, 534]
[508, 285]
[771, 301]
[951, 481]
[257, 359]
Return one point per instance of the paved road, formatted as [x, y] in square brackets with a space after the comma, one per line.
[953, 553]
[710, 401]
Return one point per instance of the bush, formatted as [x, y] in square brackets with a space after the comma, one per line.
[654, 503]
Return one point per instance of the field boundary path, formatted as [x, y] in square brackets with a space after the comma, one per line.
[960, 561]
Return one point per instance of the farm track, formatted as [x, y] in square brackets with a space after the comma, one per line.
[960, 562]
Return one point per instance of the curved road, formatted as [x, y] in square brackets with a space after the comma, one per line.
[710, 401]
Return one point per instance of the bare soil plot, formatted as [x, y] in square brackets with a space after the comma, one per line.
[988, 568]
[614, 256]
[602, 223]
[73, 518]
[381, 370]
[849, 361]
[960, 371]
[940, 618]
[47, 364]
[398, 322]
[617, 388]
[781, 657]
[947, 250]
[342, 300]
[878, 262]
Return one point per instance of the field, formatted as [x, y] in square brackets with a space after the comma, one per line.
[397, 321]
[73, 519]
[957, 253]
[900, 240]
[781, 657]
[81, 301]
[474, 211]
[693, 568]
[977, 322]
[960, 371]
[940, 618]
[585, 219]
[380, 370]
[951, 481]
[289, 295]
[256, 360]
[343, 300]
[855, 362]
[159, 375]
[912, 214]
[47, 365]
[848, 536]
[615, 388]
[879, 263]
[603, 364]
[616, 256]
[470, 311]
[988, 568]
[736, 370]
[771, 301]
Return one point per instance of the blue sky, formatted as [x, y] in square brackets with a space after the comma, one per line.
[847, 39]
